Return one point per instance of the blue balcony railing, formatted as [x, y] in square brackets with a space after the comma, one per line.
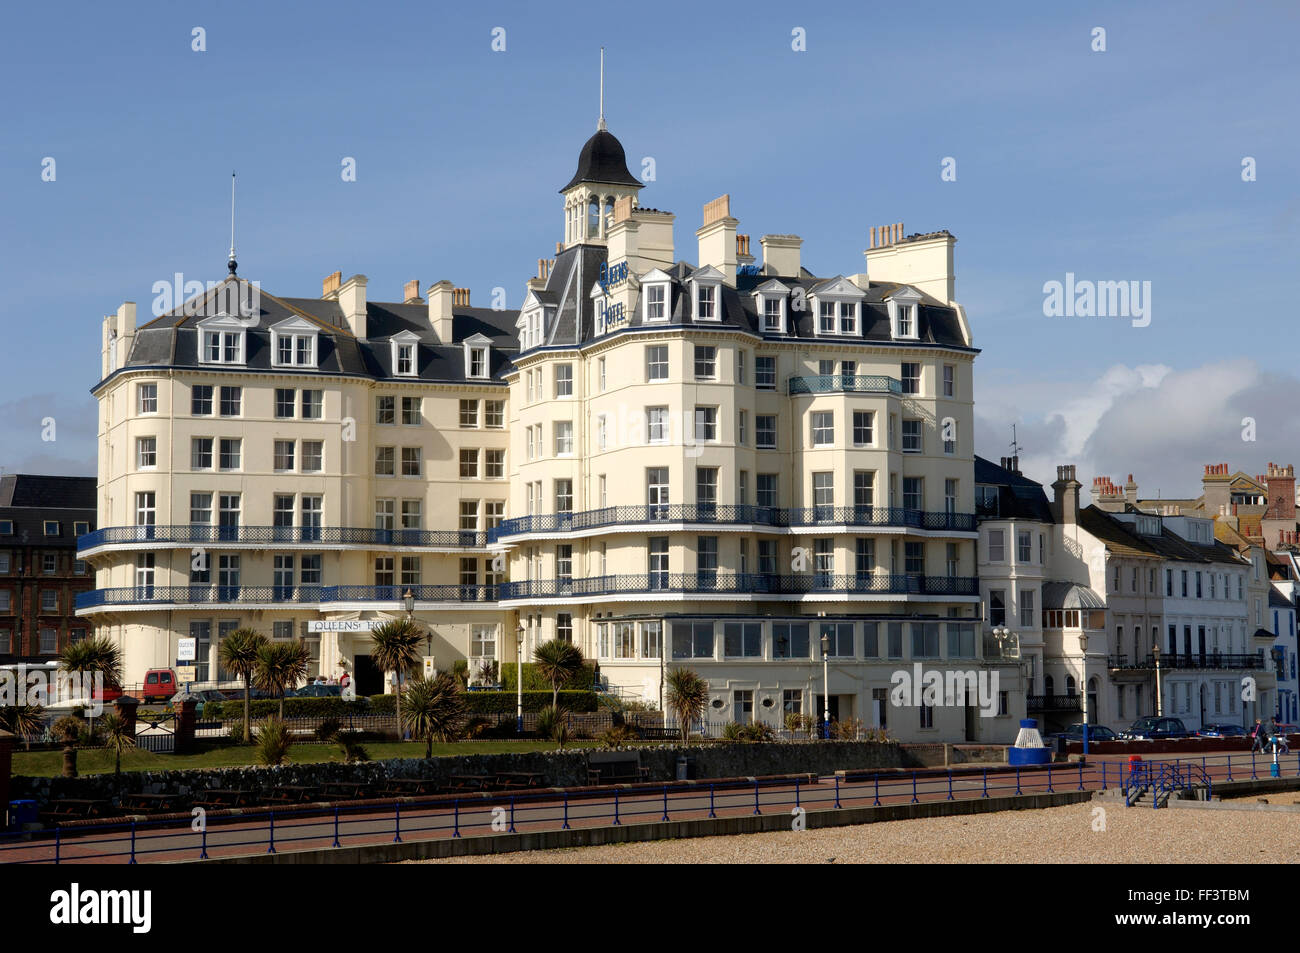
[187, 534]
[844, 384]
[744, 514]
[748, 583]
[289, 595]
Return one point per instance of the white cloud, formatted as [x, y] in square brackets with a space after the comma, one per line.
[1160, 424]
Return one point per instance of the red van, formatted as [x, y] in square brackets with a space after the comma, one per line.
[159, 685]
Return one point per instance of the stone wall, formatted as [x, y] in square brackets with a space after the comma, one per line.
[558, 768]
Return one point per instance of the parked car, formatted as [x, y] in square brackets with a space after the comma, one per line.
[1095, 733]
[108, 694]
[1147, 729]
[159, 685]
[204, 696]
[315, 691]
[1221, 731]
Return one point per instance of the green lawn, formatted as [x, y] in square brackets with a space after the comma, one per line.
[98, 761]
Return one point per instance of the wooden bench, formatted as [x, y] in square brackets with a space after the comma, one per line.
[516, 780]
[615, 773]
[151, 803]
[74, 809]
[224, 797]
[406, 787]
[469, 782]
[293, 794]
[350, 790]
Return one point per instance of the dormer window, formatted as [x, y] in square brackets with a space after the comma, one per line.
[706, 294]
[293, 344]
[654, 297]
[906, 320]
[221, 340]
[476, 356]
[839, 307]
[656, 306]
[771, 297]
[903, 320]
[706, 303]
[405, 354]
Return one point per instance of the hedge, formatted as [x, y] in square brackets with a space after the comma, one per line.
[294, 707]
[500, 703]
[533, 681]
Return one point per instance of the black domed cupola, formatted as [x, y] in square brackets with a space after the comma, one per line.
[602, 161]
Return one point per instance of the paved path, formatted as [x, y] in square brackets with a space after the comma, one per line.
[289, 829]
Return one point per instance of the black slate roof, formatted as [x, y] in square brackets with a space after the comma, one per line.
[28, 500]
[1018, 496]
[172, 340]
[1123, 539]
[577, 268]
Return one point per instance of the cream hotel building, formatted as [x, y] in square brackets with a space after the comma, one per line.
[723, 465]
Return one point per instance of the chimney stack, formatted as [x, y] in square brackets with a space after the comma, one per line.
[329, 287]
[411, 292]
[352, 300]
[781, 254]
[924, 262]
[1065, 496]
[440, 305]
[717, 238]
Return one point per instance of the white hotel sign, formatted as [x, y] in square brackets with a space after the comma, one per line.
[343, 625]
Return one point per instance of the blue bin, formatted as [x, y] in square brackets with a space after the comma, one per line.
[23, 812]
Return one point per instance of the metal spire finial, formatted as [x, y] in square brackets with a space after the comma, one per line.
[231, 263]
[600, 125]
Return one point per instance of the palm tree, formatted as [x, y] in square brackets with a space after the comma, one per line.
[435, 709]
[396, 647]
[280, 665]
[25, 721]
[557, 661]
[687, 696]
[91, 657]
[118, 737]
[238, 654]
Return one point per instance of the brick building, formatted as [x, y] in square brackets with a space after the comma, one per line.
[40, 575]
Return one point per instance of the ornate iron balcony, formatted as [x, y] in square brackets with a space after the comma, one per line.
[707, 582]
[289, 595]
[742, 514]
[844, 384]
[1210, 660]
[187, 534]
[1053, 703]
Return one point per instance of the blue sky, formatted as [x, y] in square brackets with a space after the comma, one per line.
[1115, 165]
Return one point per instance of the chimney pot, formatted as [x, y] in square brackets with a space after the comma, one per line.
[329, 287]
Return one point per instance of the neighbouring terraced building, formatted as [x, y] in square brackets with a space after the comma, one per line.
[724, 464]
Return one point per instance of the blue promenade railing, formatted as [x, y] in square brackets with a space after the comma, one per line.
[186, 534]
[262, 830]
[743, 514]
[750, 583]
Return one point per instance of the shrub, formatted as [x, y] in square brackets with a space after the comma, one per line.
[273, 742]
[327, 729]
[553, 723]
[850, 729]
[501, 703]
[618, 735]
[351, 748]
[757, 731]
[795, 721]
[534, 682]
[67, 730]
[298, 708]
[478, 727]
[731, 731]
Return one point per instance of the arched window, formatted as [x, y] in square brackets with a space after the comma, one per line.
[609, 211]
[1069, 685]
[1049, 685]
[593, 217]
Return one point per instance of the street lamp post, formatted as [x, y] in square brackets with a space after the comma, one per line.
[826, 686]
[519, 680]
[1155, 653]
[1083, 651]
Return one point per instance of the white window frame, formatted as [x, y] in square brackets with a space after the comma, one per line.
[657, 281]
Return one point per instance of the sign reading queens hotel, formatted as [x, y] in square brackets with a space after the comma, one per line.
[338, 452]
